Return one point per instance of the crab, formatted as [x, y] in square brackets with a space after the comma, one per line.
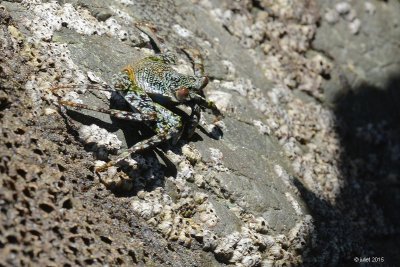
[151, 87]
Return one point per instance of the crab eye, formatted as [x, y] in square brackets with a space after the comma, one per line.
[182, 94]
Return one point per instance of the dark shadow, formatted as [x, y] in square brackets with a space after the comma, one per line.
[369, 130]
[88, 120]
[364, 221]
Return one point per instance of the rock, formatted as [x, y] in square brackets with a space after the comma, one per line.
[266, 190]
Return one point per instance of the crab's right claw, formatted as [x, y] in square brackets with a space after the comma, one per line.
[216, 112]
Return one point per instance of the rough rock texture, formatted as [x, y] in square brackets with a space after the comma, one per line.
[309, 92]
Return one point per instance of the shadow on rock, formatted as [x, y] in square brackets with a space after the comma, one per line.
[369, 130]
[362, 224]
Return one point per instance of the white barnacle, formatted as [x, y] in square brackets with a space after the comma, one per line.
[185, 170]
[167, 213]
[221, 99]
[184, 238]
[200, 197]
[263, 241]
[276, 251]
[178, 221]
[94, 78]
[202, 208]
[355, 26]
[281, 239]
[192, 154]
[152, 221]
[212, 222]
[101, 137]
[146, 211]
[216, 155]
[370, 8]
[259, 224]
[245, 245]
[210, 240]
[236, 256]
[165, 228]
[183, 32]
[343, 8]
[226, 245]
[251, 260]
[195, 230]
[49, 111]
[136, 205]
[331, 16]
[141, 194]
[199, 180]
[174, 235]
[268, 263]
[143, 209]
[157, 208]
[269, 240]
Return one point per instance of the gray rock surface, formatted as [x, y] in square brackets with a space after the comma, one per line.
[365, 57]
[278, 188]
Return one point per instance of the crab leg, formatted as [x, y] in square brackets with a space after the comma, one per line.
[196, 60]
[164, 54]
[120, 114]
[151, 142]
[198, 99]
[169, 126]
[150, 30]
[87, 86]
[194, 120]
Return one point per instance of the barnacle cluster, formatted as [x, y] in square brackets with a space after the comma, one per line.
[100, 138]
[179, 219]
[52, 17]
[306, 132]
[346, 11]
[284, 33]
[187, 214]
